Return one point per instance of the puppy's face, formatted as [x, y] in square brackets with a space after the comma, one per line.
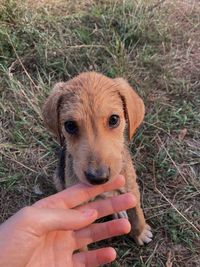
[91, 113]
[92, 123]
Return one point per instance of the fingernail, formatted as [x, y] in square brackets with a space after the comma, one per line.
[89, 212]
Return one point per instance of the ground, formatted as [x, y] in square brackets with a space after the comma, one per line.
[155, 46]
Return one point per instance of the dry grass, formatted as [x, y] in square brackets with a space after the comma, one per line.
[155, 45]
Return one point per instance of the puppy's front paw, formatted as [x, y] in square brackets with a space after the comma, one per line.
[145, 236]
[120, 215]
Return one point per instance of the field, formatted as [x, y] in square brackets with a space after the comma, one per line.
[155, 46]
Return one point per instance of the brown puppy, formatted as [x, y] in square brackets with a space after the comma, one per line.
[88, 114]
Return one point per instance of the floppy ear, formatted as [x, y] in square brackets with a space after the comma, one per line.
[50, 110]
[133, 104]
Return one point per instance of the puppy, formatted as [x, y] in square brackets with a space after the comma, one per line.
[88, 115]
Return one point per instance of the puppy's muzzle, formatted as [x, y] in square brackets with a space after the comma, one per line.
[97, 176]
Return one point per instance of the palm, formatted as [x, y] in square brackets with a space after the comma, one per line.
[54, 249]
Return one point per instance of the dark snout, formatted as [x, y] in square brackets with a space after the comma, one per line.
[97, 176]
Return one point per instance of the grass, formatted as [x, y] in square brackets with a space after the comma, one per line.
[155, 45]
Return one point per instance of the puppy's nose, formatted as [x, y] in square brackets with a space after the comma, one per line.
[97, 176]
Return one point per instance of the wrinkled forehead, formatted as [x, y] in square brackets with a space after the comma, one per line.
[99, 100]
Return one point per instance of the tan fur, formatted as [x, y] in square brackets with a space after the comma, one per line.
[90, 99]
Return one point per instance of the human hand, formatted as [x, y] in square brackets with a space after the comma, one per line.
[50, 231]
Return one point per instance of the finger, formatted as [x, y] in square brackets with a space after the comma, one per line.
[94, 258]
[100, 231]
[77, 194]
[39, 221]
[111, 205]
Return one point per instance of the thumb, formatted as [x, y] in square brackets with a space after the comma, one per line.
[39, 221]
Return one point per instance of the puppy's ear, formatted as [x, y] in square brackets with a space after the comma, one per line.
[50, 110]
[133, 105]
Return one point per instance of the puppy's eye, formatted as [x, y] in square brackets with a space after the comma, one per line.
[71, 127]
[114, 121]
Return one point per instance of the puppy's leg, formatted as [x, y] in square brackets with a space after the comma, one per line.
[57, 182]
[120, 215]
[59, 174]
[140, 230]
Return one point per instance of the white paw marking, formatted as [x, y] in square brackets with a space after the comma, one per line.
[145, 236]
[120, 214]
